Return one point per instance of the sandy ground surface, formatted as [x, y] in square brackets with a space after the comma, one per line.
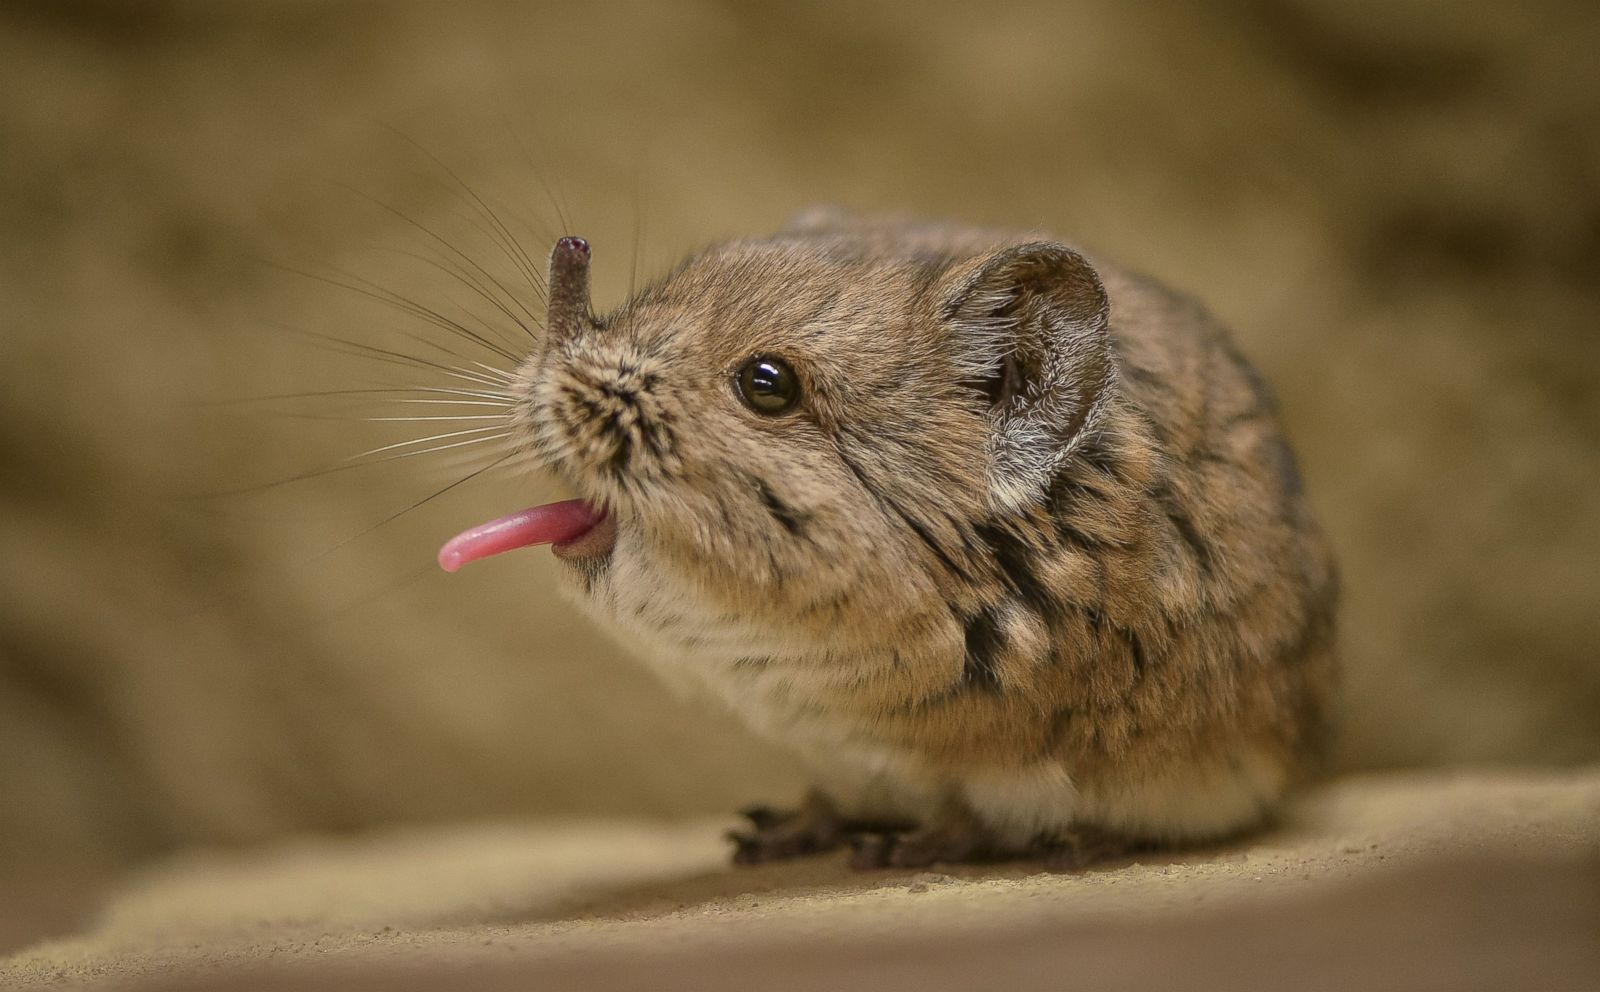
[615, 902]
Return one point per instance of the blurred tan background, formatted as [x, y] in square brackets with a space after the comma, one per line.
[1396, 205]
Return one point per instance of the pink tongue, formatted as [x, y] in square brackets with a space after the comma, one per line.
[551, 523]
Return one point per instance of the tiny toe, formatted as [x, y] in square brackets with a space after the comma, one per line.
[869, 851]
[776, 835]
[1083, 849]
[911, 856]
[1064, 860]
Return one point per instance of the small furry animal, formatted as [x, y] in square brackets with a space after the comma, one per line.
[1009, 547]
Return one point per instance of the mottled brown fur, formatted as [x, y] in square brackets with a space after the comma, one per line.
[1012, 562]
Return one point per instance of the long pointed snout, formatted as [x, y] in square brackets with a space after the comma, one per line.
[569, 289]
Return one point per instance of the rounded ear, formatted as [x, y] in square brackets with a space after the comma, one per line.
[1031, 326]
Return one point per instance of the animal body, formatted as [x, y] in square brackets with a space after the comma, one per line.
[1008, 546]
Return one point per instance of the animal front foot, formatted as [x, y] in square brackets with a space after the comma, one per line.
[956, 836]
[917, 849]
[777, 835]
[953, 837]
[1082, 847]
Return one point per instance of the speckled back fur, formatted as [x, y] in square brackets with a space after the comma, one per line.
[1090, 594]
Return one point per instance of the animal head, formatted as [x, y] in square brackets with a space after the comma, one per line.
[797, 433]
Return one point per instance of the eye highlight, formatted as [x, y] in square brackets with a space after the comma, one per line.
[768, 385]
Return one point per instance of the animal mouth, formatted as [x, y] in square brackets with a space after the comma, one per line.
[575, 529]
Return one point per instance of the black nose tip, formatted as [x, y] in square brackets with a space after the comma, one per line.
[574, 244]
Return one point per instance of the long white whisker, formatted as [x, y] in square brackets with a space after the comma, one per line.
[456, 372]
[508, 241]
[498, 373]
[422, 440]
[462, 402]
[478, 393]
[368, 288]
[468, 260]
[462, 416]
[432, 496]
[447, 447]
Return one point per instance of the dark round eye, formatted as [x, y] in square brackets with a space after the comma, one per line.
[768, 385]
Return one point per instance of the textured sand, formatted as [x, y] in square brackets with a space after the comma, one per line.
[616, 901]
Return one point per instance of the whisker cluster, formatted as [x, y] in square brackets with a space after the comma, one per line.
[461, 352]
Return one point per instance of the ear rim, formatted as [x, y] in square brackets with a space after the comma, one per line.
[1042, 301]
